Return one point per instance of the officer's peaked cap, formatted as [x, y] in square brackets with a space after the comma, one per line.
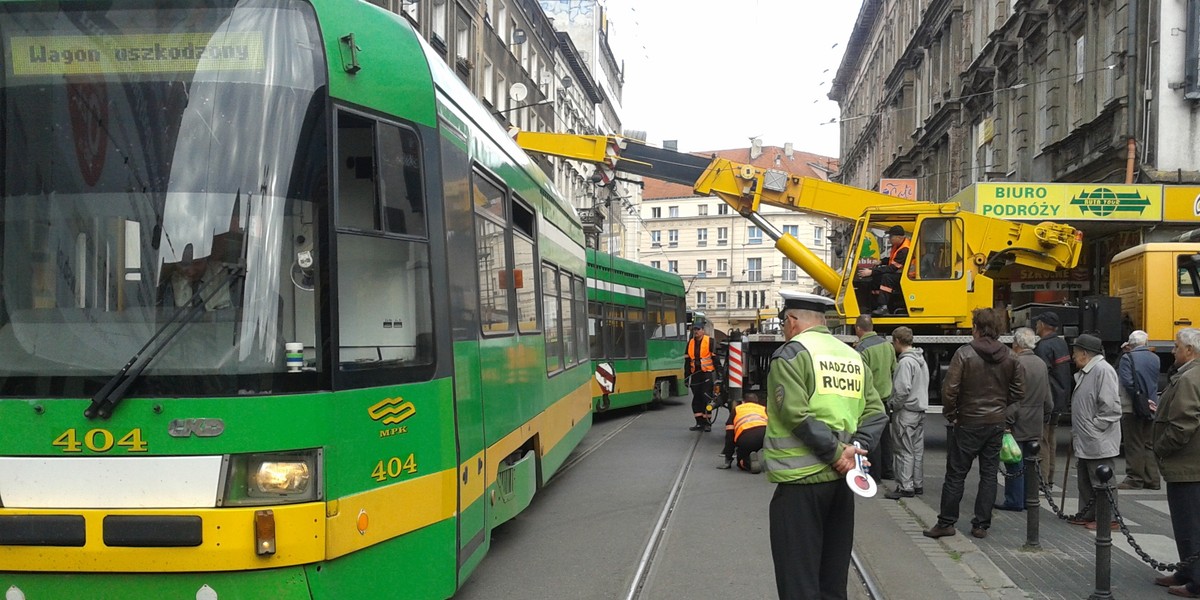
[804, 301]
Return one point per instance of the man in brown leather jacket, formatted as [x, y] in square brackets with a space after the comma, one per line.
[983, 380]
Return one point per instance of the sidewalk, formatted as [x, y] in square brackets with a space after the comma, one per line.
[998, 566]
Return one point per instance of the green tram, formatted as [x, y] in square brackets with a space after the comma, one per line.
[636, 331]
[285, 312]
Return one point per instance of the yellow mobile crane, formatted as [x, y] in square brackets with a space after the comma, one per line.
[953, 253]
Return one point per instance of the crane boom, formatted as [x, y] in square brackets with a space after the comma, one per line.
[980, 245]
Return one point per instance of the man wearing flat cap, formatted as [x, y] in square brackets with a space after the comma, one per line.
[1052, 349]
[885, 277]
[820, 400]
[1095, 422]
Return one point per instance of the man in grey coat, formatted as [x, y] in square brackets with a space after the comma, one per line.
[909, 401]
[1095, 422]
[1026, 417]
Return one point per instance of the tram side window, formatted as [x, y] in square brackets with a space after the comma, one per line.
[491, 255]
[681, 323]
[566, 330]
[550, 302]
[596, 329]
[653, 307]
[523, 263]
[384, 303]
[636, 331]
[580, 319]
[614, 331]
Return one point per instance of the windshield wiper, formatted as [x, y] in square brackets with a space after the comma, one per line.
[114, 391]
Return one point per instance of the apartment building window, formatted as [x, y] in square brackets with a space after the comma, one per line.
[1075, 89]
[722, 267]
[702, 237]
[462, 39]
[673, 266]
[722, 209]
[501, 93]
[793, 230]
[673, 238]
[753, 269]
[788, 272]
[1041, 98]
[702, 210]
[409, 8]
[437, 23]
[489, 82]
[701, 299]
[656, 239]
[819, 236]
[702, 268]
[502, 22]
[656, 212]
[722, 236]
[722, 299]
[673, 212]
[753, 235]
[656, 264]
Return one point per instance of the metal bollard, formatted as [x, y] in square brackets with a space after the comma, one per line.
[1032, 503]
[1103, 536]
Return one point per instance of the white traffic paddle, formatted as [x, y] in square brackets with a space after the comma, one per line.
[858, 479]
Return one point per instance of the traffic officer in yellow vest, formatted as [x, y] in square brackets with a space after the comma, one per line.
[700, 368]
[744, 433]
[820, 399]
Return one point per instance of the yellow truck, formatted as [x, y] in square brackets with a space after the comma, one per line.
[1159, 288]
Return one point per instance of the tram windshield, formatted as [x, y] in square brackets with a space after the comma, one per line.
[151, 153]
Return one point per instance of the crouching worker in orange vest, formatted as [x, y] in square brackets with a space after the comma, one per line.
[744, 433]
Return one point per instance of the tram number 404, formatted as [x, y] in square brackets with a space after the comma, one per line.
[100, 440]
[394, 467]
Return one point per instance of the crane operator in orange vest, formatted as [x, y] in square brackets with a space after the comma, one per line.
[885, 277]
[700, 367]
[744, 433]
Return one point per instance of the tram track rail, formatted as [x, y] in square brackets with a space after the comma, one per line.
[870, 586]
[639, 586]
[578, 457]
[660, 526]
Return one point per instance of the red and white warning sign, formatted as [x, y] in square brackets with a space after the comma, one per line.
[735, 364]
[606, 377]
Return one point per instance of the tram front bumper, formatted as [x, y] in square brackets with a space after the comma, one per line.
[160, 540]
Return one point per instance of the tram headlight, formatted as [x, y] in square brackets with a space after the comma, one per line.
[274, 478]
[281, 477]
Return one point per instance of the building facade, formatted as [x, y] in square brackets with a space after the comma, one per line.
[730, 267]
[956, 94]
[951, 93]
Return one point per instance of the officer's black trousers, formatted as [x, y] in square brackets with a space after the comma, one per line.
[812, 533]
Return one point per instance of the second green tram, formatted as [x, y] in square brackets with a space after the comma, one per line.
[636, 329]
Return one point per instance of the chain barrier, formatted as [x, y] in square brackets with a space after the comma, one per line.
[1049, 494]
[1018, 473]
[1160, 566]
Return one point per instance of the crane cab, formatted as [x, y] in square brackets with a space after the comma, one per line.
[938, 287]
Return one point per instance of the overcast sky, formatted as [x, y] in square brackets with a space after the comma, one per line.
[712, 74]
